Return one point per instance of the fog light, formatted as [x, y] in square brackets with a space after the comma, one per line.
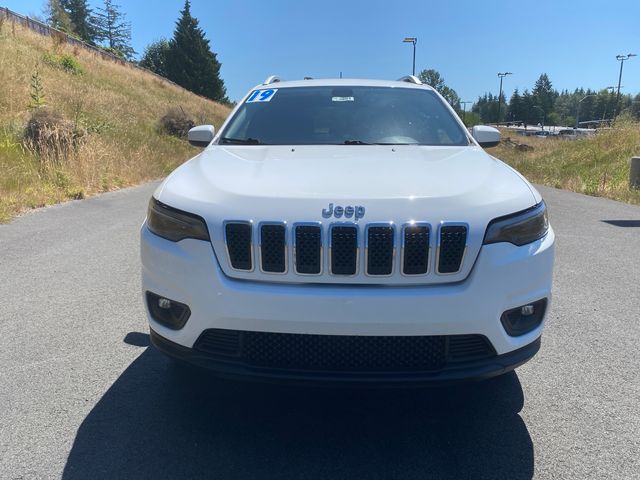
[165, 303]
[527, 310]
[525, 318]
[167, 312]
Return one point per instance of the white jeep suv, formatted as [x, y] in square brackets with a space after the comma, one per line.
[347, 231]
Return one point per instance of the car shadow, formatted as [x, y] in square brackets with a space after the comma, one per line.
[163, 422]
[623, 223]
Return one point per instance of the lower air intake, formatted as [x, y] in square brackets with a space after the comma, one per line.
[347, 353]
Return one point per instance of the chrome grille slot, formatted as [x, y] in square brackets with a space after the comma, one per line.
[308, 249]
[415, 254]
[344, 249]
[239, 248]
[380, 249]
[452, 245]
[273, 250]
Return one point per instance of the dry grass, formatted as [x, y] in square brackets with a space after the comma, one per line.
[116, 107]
[597, 165]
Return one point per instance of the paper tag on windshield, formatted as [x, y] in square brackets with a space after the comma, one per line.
[342, 99]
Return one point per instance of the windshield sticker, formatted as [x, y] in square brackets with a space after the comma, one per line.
[261, 95]
[342, 99]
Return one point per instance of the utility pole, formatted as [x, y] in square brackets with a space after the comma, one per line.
[413, 40]
[464, 111]
[579, 102]
[621, 59]
[501, 75]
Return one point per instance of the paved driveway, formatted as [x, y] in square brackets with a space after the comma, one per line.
[83, 396]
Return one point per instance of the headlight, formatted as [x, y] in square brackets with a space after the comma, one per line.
[173, 224]
[520, 228]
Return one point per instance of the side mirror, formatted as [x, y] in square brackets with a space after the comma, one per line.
[201, 135]
[486, 136]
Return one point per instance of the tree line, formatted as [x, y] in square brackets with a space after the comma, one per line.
[542, 105]
[546, 106]
[186, 59]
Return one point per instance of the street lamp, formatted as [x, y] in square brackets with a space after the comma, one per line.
[543, 115]
[501, 75]
[464, 111]
[579, 102]
[621, 59]
[413, 40]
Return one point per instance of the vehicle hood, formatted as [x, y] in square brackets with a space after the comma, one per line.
[255, 180]
[401, 184]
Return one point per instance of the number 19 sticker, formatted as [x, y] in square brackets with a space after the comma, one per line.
[261, 95]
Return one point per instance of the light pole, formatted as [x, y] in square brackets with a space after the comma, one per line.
[464, 112]
[579, 102]
[501, 75]
[621, 59]
[413, 40]
[543, 115]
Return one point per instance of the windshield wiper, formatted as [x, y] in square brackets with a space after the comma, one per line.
[240, 141]
[356, 142]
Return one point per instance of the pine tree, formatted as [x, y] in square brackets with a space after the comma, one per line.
[113, 30]
[190, 61]
[57, 17]
[80, 15]
[515, 110]
[544, 93]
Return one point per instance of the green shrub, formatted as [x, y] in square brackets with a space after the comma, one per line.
[65, 62]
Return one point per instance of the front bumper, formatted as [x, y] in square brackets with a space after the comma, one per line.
[473, 370]
[504, 277]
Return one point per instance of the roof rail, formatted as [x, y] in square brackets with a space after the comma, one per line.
[410, 79]
[271, 79]
[308, 78]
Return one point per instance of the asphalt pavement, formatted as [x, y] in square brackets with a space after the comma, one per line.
[83, 396]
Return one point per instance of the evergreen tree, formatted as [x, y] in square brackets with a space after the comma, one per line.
[433, 78]
[155, 57]
[487, 107]
[544, 93]
[113, 30]
[515, 110]
[57, 18]
[190, 61]
[80, 15]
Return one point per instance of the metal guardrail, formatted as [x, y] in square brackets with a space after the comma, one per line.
[46, 30]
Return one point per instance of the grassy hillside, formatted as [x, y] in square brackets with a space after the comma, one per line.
[114, 111]
[596, 165]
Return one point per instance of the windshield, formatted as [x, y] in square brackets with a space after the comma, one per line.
[337, 115]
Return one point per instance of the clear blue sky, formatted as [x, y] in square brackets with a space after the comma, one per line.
[468, 42]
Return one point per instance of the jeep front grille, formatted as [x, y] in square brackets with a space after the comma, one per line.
[343, 242]
[453, 241]
[308, 249]
[344, 249]
[239, 245]
[380, 249]
[415, 252]
[273, 244]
